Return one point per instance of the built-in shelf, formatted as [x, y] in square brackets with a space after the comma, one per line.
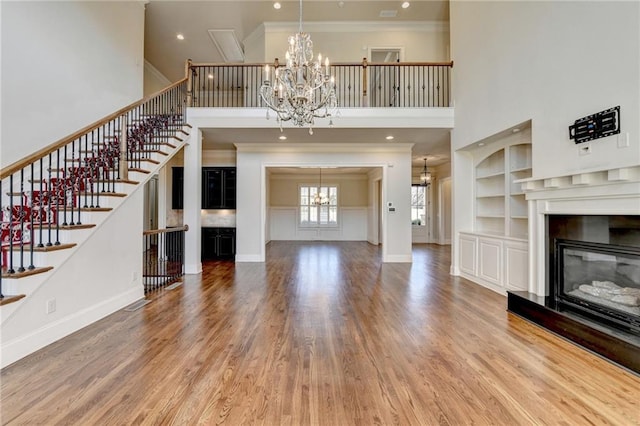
[489, 176]
[501, 195]
[495, 251]
[498, 195]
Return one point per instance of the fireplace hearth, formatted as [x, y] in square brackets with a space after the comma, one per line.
[592, 285]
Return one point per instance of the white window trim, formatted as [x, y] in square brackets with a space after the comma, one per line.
[426, 205]
[318, 225]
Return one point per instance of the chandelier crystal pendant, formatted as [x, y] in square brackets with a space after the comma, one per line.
[303, 89]
[425, 176]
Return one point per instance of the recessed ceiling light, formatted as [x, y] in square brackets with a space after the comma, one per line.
[389, 138]
[481, 144]
[277, 5]
[516, 130]
[406, 4]
[282, 137]
[210, 76]
[180, 36]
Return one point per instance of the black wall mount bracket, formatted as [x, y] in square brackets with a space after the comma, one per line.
[595, 126]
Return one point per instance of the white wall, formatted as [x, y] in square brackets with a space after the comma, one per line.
[351, 41]
[66, 64]
[154, 80]
[101, 276]
[254, 159]
[551, 62]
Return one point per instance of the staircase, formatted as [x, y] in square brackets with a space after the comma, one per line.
[53, 201]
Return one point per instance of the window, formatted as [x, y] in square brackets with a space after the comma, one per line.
[418, 205]
[312, 214]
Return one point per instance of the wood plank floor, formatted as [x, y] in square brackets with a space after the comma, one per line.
[320, 334]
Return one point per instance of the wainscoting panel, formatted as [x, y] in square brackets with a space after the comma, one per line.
[283, 226]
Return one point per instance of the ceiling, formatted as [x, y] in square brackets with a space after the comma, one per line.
[165, 19]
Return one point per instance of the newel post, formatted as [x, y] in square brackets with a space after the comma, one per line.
[124, 164]
[189, 74]
[365, 99]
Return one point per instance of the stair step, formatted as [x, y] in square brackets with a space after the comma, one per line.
[145, 160]
[10, 299]
[134, 169]
[153, 151]
[80, 194]
[97, 182]
[26, 273]
[148, 160]
[111, 171]
[36, 226]
[43, 249]
[127, 181]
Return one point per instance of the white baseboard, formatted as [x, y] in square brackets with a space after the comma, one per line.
[398, 258]
[193, 269]
[249, 258]
[483, 283]
[24, 345]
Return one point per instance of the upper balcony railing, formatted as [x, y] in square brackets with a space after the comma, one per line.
[358, 85]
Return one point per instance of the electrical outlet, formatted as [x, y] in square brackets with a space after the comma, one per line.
[51, 306]
[584, 149]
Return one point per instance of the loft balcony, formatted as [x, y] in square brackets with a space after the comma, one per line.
[390, 95]
[363, 85]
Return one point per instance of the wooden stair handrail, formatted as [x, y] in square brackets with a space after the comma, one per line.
[24, 162]
[222, 65]
[166, 230]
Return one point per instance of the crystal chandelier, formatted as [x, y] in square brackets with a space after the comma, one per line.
[425, 176]
[320, 199]
[303, 89]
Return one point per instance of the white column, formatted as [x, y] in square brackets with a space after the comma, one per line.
[162, 197]
[192, 201]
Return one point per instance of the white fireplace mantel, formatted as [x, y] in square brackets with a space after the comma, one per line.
[597, 192]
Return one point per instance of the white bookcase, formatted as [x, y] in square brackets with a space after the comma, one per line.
[494, 251]
[501, 208]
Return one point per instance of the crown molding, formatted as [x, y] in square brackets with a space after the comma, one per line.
[156, 73]
[324, 147]
[357, 26]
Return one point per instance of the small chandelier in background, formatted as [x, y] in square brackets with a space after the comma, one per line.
[303, 89]
[425, 176]
[320, 199]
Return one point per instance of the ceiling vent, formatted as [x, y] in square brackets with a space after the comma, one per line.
[227, 44]
[388, 13]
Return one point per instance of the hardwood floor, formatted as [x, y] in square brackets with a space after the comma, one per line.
[321, 334]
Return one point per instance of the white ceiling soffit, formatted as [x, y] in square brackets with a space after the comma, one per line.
[227, 44]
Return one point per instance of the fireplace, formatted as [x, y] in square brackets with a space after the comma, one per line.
[600, 281]
[584, 253]
[594, 267]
